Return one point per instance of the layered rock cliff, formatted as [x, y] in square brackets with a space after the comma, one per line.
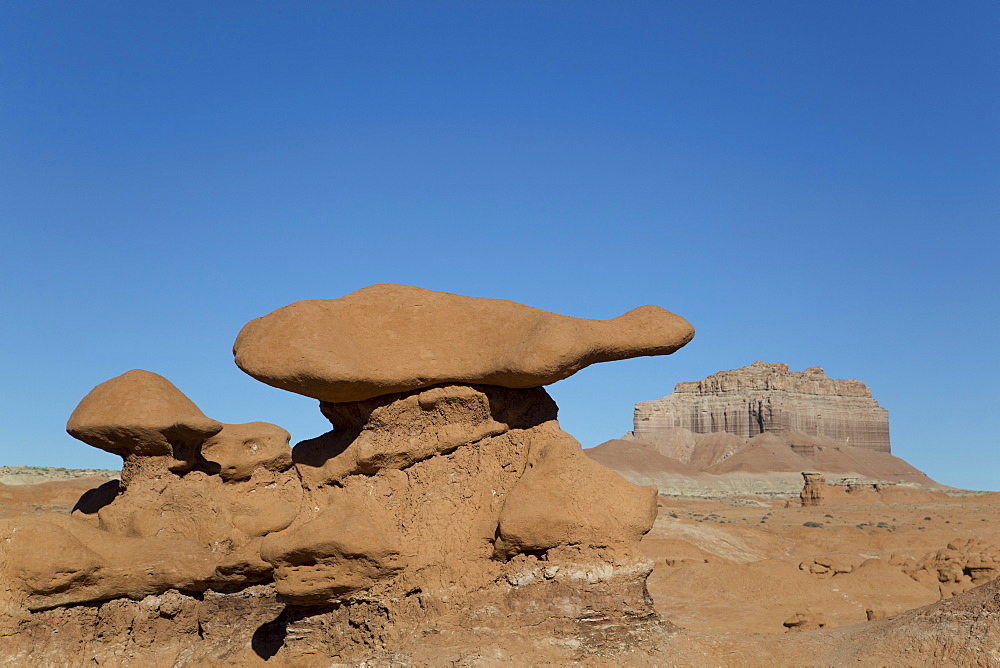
[766, 397]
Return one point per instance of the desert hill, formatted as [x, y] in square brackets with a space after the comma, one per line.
[769, 464]
[29, 475]
[34, 490]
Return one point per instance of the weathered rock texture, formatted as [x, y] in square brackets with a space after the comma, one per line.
[445, 500]
[175, 520]
[395, 338]
[962, 565]
[769, 398]
[817, 491]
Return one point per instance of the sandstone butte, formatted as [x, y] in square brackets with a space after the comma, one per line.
[444, 519]
[766, 397]
[754, 430]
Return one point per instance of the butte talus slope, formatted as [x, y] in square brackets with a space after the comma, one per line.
[754, 430]
[445, 516]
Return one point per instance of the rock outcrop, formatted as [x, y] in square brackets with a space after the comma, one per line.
[175, 520]
[766, 397]
[818, 491]
[962, 565]
[813, 489]
[445, 499]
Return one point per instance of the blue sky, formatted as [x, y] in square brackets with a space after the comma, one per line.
[814, 183]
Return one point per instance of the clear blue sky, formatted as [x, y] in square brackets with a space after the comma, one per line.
[807, 182]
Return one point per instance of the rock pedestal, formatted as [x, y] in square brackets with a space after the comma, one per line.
[446, 508]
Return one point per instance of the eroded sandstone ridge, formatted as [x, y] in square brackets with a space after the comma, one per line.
[763, 398]
[444, 507]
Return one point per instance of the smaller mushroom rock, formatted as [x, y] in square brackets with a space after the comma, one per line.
[142, 413]
[395, 338]
[217, 489]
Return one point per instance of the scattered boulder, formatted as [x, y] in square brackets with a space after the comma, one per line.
[830, 565]
[807, 620]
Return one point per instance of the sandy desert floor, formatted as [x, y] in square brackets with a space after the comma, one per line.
[742, 576]
[721, 567]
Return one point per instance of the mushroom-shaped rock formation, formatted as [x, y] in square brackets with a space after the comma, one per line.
[395, 338]
[446, 487]
[446, 505]
[142, 413]
[195, 501]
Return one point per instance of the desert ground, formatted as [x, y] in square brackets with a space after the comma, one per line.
[751, 578]
[776, 567]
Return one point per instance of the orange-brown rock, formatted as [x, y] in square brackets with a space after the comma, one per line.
[466, 494]
[445, 498]
[385, 339]
[61, 561]
[807, 620]
[142, 413]
[962, 565]
[566, 499]
[176, 519]
[831, 565]
[347, 548]
[813, 489]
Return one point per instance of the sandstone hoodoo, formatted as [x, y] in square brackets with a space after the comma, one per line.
[445, 505]
[766, 397]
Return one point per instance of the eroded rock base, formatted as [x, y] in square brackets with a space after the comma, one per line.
[559, 619]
